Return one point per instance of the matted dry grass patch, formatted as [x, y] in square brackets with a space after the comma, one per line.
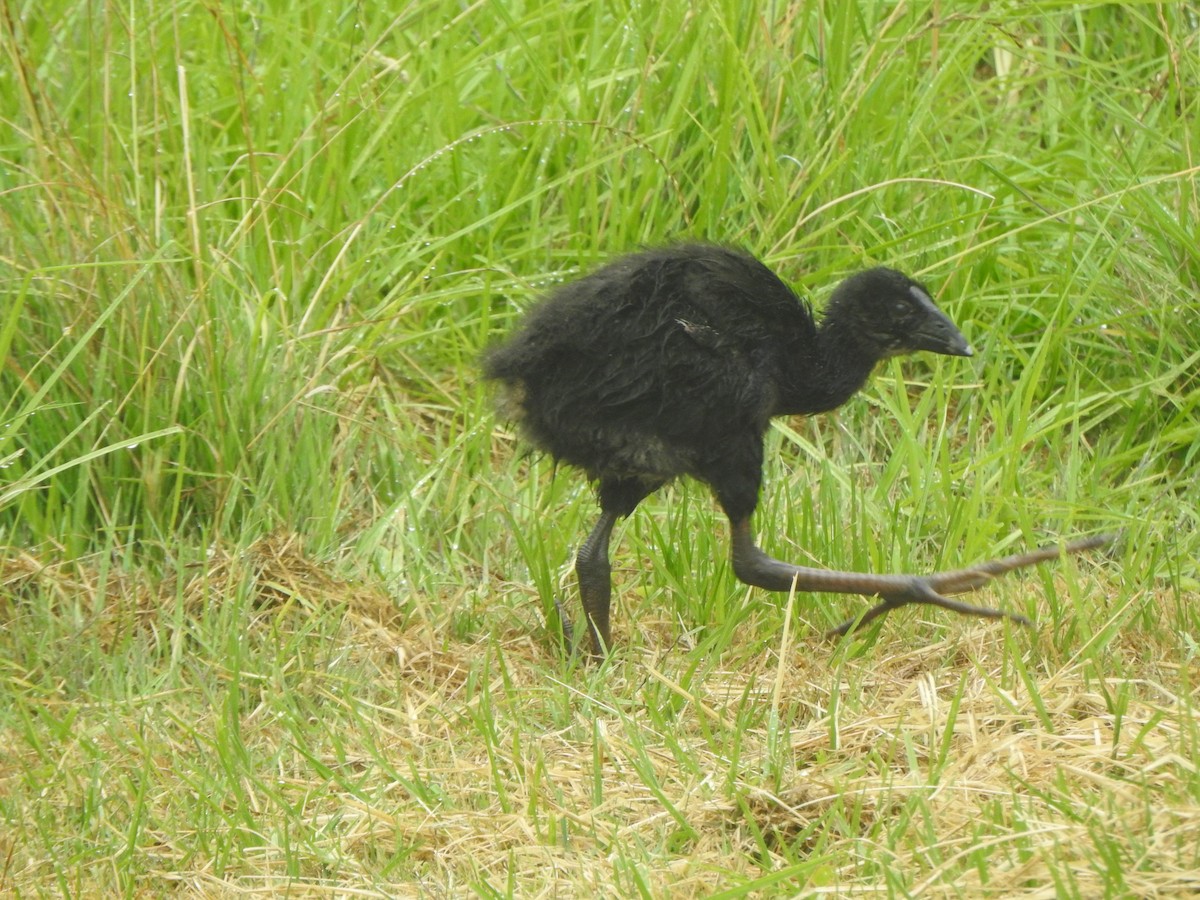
[548, 780]
[340, 744]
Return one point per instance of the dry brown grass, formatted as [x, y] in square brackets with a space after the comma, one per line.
[394, 748]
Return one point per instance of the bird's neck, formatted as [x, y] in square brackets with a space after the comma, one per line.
[828, 373]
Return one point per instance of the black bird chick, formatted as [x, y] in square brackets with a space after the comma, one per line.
[673, 362]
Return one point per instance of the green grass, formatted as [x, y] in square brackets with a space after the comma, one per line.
[274, 579]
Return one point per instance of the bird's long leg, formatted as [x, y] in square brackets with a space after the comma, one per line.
[595, 583]
[618, 497]
[755, 567]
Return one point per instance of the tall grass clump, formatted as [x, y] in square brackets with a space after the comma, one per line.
[274, 577]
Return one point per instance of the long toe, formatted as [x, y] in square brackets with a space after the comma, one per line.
[968, 609]
[920, 590]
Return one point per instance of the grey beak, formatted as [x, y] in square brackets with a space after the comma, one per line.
[937, 333]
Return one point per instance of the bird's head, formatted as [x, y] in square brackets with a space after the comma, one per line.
[894, 315]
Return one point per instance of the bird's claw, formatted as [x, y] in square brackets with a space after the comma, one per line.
[919, 589]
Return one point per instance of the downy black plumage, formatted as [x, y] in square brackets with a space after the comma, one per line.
[673, 362]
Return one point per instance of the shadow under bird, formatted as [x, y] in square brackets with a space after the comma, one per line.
[673, 362]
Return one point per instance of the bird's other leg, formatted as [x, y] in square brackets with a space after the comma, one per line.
[618, 498]
[755, 567]
[595, 584]
[736, 477]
